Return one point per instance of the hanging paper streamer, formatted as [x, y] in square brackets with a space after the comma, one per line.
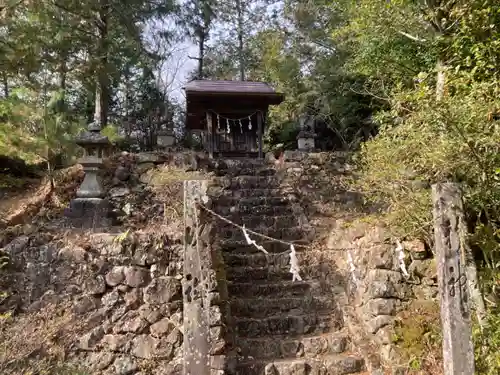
[252, 242]
[352, 268]
[218, 122]
[294, 265]
[241, 127]
[401, 258]
[249, 122]
[228, 127]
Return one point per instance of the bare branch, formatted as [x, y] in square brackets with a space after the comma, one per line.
[414, 38]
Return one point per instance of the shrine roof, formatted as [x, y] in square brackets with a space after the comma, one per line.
[230, 87]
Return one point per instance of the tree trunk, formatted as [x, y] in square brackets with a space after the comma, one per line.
[239, 10]
[102, 83]
[62, 84]
[201, 52]
[440, 80]
[5, 82]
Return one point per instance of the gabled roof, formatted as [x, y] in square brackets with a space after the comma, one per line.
[229, 87]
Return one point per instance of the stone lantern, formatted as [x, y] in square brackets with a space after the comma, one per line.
[305, 138]
[89, 209]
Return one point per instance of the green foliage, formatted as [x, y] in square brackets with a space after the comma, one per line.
[30, 130]
[487, 341]
[112, 132]
[451, 140]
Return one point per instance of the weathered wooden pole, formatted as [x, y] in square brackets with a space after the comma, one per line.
[260, 120]
[210, 136]
[458, 351]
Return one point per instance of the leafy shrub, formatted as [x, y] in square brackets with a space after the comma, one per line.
[423, 141]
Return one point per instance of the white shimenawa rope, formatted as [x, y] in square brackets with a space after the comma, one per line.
[294, 262]
[294, 265]
[401, 258]
[252, 242]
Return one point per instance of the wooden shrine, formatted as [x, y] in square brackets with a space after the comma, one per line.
[229, 116]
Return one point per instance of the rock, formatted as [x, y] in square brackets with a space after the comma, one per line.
[131, 322]
[382, 256]
[117, 343]
[122, 173]
[144, 167]
[380, 306]
[89, 340]
[150, 314]
[424, 268]
[95, 285]
[84, 304]
[136, 277]
[106, 244]
[148, 347]
[162, 328]
[49, 297]
[176, 318]
[17, 246]
[74, 254]
[162, 290]
[425, 292]
[146, 177]
[147, 157]
[378, 322]
[115, 276]
[175, 338]
[125, 366]
[99, 265]
[119, 192]
[133, 299]
[118, 313]
[101, 361]
[111, 299]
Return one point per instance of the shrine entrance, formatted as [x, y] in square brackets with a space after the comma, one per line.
[229, 117]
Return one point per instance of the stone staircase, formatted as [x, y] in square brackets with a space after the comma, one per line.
[281, 327]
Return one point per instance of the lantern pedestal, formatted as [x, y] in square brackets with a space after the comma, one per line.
[89, 209]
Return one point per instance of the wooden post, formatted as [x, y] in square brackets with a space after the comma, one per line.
[210, 137]
[260, 116]
[458, 351]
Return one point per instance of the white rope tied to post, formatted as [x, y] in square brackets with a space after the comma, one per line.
[401, 258]
[294, 265]
[252, 242]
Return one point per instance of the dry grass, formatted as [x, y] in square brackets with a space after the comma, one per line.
[34, 343]
[418, 338]
[167, 185]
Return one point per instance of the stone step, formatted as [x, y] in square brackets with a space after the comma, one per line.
[266, 273]
[285, 234]
[258, 171]
[255, 221]
[276, 290]
[336, 364]
[251, 202]
[283, 347]
[256, 260]
[241, 246]
[290, 325]
[217, 192]
[247, 182]
[266, 307]
[232, 212]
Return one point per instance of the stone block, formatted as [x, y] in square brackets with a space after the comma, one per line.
[90, 213]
